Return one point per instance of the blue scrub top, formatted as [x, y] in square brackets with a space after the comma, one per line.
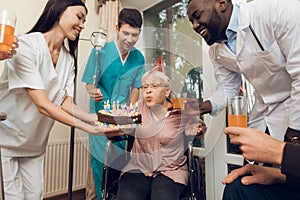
[112, 77]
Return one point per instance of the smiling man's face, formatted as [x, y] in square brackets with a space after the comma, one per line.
[205, 19]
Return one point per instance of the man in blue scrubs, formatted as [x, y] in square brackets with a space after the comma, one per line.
[114, 74]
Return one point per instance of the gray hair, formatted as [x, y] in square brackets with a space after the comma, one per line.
[157, 76]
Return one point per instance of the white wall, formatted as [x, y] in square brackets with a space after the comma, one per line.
[27, 12]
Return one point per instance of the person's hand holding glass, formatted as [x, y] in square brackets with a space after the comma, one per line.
[8, 42]
[237, 114]
[237, 111]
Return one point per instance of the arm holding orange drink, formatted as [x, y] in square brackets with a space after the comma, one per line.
[9, 54]
[8, 42]
[193, 106]
[236, 109]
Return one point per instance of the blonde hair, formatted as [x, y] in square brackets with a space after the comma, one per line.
[157, 76]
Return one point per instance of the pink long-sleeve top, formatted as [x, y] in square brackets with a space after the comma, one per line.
[159, 146]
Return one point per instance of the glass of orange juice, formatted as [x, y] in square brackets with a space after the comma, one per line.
[178, 102]
[7, 29]
[237, 111]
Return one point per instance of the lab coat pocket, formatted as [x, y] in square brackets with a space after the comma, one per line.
[11, 136]
[272, 59]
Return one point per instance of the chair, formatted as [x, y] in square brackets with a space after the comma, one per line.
[194, 191]
[111, 173]
[196, 186]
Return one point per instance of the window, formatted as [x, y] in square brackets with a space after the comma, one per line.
[169, 34]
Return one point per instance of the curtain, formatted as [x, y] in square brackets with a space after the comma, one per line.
[108, 11]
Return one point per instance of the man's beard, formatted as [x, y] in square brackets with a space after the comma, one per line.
[213, 27]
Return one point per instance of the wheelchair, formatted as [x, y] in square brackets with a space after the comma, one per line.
[112, 169]
[196, 186]
[195, 189]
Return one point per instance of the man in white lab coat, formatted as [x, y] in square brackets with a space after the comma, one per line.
[260, 40]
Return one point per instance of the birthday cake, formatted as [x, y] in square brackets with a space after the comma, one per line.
[122, 117]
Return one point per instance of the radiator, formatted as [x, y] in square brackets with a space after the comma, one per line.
[57, 166]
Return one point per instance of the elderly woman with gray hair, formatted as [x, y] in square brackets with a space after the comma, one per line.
[158, 167]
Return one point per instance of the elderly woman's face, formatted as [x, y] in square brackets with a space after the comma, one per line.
[154, 92]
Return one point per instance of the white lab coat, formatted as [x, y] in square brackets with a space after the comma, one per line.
[274, 72]
[25, 132]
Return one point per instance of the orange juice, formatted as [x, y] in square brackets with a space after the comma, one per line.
[237, 120]
[6, 37]
[178, 103]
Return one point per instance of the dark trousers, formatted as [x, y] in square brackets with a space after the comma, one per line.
[238, 191]
[136, 186]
